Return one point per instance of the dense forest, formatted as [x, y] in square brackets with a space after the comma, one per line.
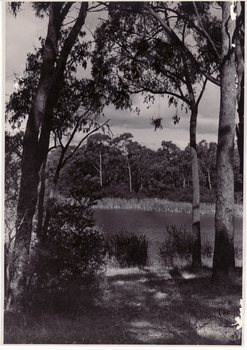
[121, 167]
[106, 166]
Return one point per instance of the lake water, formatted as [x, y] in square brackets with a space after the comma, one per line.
[153, 225]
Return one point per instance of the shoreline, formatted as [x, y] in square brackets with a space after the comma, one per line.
[158, 205]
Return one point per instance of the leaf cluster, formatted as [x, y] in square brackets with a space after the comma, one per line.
[78, 104]
[134, 53]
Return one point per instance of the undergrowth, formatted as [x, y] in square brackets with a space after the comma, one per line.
[177, 247]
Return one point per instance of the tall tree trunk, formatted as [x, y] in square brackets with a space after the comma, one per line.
[130, 176]
[37, 134]
[41, 200]
[100, 170]
[223, 261]
[196, 228]
[239, 52]
[209, 179]
[30, 169]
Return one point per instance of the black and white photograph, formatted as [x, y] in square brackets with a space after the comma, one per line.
[124, 172]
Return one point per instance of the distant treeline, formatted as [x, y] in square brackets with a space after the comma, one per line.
[121, 167]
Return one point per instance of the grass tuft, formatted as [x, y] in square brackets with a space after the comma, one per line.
[176, 250]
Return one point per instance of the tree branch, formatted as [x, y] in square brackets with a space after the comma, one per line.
[205, 32]
[83, 139]
[65, 10]
[202, 91]
[182, 47]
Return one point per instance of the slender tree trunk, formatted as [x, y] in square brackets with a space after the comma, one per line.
[209, 179]
[130, 176]
[239, 52]
[184, 181]
[41, 200]
[223, 261]
[100, 170]
[196, 228]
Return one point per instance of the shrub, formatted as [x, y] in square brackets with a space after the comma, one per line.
[73, 247]
[178, 245]
[128, 249]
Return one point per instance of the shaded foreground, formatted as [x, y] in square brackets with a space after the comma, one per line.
[133, 306]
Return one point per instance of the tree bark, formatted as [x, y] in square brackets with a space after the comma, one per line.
[130, 176]
[41, 200]
[196, 226]
[223, 261]
[239, 42]
[100, 170]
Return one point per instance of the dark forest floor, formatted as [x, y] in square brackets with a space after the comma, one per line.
[134, 306]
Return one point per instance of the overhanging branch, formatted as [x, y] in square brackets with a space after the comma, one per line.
[182, 47]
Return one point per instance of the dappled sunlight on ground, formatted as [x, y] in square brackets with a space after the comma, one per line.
[136, 306]
[166, 307]
[147, 333]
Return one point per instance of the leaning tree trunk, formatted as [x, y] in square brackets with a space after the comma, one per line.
[223, 260]
[36, 141]
[30, 171]
[196, 228]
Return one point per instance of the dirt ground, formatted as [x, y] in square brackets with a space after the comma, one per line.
[136, 306]
[172, 307]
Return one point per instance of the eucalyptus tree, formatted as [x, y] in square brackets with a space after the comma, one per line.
[130, 152]
[96, 145]
[230, 67]
[63, 52]
[135, 54]
[199, 49]
[75, 113]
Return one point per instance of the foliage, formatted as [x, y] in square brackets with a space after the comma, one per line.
[73, 246]
[140, 49]
[128, 249]
[177, 247]
[13, 148]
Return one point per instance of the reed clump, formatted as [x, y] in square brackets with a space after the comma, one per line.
[128, 249]
[158, 205]
[176, 250]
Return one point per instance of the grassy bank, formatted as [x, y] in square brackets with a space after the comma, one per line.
[158, 205]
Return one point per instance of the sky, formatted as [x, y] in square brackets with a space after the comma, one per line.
[21, 36]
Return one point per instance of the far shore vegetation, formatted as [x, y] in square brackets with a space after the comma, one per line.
[158, 205]
[153, 204]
